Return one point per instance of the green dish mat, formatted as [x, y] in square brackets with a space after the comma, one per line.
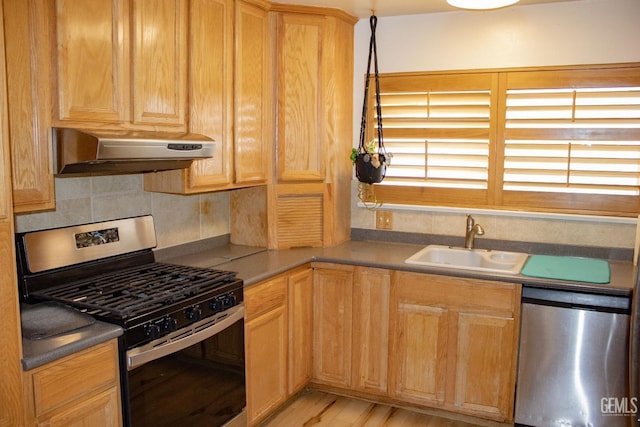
[576, 269]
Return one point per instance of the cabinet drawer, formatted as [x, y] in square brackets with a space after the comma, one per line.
[264, 297]
[457, 292]
[75, 376]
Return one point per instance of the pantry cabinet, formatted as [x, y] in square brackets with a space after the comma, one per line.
[11, 402]
[80, 389]
[278, 340]
[455, 343]
[314, 63]
[120, 63]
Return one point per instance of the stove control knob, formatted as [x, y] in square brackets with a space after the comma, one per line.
[194, 313]
[152, 331]
[215, 305]
[170, 324]
[227, 301]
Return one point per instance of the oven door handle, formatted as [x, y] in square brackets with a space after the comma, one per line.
[156, 349]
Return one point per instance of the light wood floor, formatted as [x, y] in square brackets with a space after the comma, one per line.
[312, 408]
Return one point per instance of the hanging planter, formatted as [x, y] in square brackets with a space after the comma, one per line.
[371, 158]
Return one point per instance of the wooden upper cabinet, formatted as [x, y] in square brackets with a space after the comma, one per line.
[27, 48]
[121, 63]
[229, 97]
[210, 97]
[159, 61]
[253, 94]
[300, 106]
[92, 52]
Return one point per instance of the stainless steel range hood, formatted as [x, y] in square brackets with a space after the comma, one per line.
[80, 152]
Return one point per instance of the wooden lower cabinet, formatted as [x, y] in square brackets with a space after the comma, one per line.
[300, 329]
[455, 343]
[332, 305]
[351, 327]
[277, 341]
[80, 389]
[370, 344]
[399, 337]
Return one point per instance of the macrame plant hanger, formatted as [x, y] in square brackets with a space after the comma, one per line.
[372, 158]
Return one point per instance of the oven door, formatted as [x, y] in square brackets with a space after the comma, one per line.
[190, 379]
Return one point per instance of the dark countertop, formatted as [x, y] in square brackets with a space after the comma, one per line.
[37, 352]
[260, 264]
[254, 265]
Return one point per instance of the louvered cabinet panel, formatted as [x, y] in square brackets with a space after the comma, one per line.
[299, 220]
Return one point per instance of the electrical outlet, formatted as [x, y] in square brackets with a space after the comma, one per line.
[384, 220]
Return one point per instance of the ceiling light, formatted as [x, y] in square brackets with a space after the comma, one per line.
[481, 4]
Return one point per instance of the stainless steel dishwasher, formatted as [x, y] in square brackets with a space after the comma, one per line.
[573, 359]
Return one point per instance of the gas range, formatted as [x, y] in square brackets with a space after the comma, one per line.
[108, 271]
[180, 323]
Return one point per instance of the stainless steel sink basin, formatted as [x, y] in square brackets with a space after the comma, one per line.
[469, 259]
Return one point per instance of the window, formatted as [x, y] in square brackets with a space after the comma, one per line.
[565, 140]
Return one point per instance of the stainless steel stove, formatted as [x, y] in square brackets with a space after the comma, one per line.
[172, 315]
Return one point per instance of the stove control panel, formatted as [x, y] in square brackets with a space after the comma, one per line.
[191, 311]
[158, 328]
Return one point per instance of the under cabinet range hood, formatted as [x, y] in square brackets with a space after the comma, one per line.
[82, 152]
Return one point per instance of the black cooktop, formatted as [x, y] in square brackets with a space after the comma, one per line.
[130, 292]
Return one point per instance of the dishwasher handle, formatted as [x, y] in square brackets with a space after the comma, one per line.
[575, 299]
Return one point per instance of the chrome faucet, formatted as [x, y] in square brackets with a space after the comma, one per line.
[472, 230]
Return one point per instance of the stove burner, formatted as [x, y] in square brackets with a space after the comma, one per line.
[126, 293]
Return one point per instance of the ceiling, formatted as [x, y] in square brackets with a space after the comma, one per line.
[362, 8]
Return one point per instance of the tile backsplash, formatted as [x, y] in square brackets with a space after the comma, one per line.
[520, 227]
[178, 219]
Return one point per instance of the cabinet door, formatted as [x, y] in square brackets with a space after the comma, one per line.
[29, 106]
[101, 410]
[92, 53]
[419, 356]
[300, 304]
[159, 58]
[210, 72]
[371, 290]
[332, 304]
[210, 84]
[253, 76]
[300, 107]
[11, 399]
[484, 364]
[266, 347]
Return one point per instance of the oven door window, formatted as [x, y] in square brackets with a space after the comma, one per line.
[202, 385]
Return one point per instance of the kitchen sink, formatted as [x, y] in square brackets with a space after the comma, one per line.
[484, 260]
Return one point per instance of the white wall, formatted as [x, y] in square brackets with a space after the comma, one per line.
[565, 33]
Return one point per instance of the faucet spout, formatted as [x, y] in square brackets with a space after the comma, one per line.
[473, 229]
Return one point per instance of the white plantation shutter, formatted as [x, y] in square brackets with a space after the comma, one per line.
[585, 165]
[564, 139]
[422, 131]
[438, 130]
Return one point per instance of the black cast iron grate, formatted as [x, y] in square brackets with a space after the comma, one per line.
[126, 293]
